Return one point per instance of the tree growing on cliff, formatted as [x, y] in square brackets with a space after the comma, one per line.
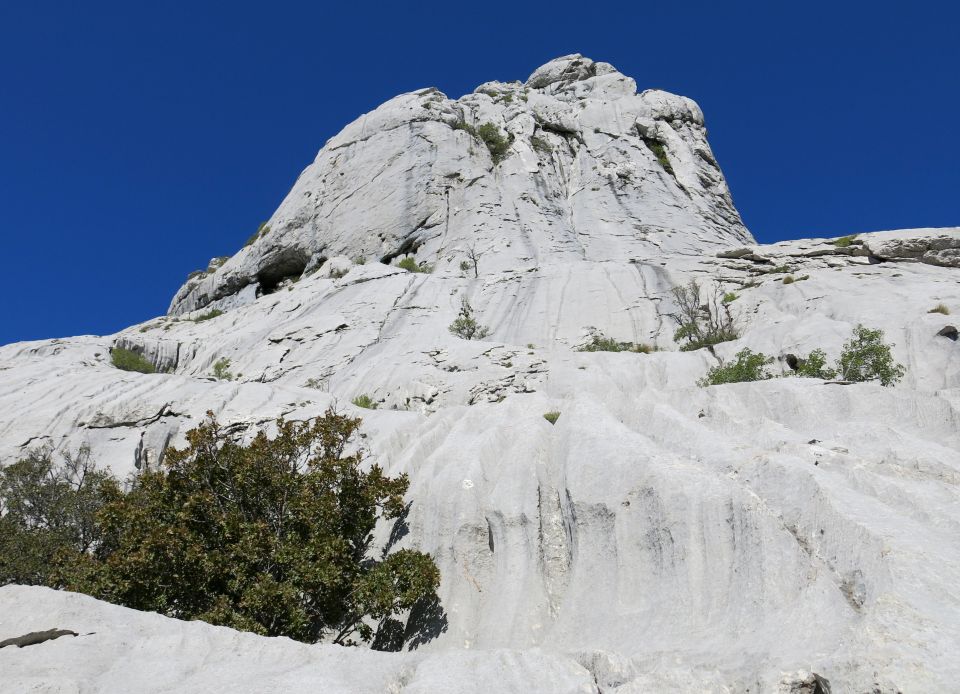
[702, 324]
[466, 326]
[274, 537]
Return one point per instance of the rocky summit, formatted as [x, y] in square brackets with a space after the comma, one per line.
[653, 534]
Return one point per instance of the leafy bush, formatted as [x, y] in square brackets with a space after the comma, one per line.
[940, 308]
[730, 297]
[48, 515]
[128, 360]
[365, 401]
[466, 326]
[747, 367]
[494, 140]
[411, 265]
[213, 313]
[844, 241]
[815, 366]
[221, 369]
[274, 537]
[552, 417]
[701, 325]
[601, 343]
[865, 357]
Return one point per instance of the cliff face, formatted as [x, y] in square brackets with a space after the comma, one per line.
[589, 170]
[660, 536]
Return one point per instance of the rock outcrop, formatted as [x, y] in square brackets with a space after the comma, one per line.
[592, 171]
[659, 536]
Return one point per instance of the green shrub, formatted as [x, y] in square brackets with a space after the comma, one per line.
[552, 417]
[701, 325]
[601, 343]
[221, 369]
[730, 297]
[466, 326]
[213, 313]
[844, 241]
[788, 279]
[747, 367]
[273, 537]
[494, 140]
[940, 308]
[128, 360]
[865, 357]
[815, 366]
[365, 401]
[48, 515]
[411, 265]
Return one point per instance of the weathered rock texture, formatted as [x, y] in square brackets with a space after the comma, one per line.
[754, 537]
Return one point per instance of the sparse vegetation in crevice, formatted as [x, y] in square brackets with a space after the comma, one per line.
[411, 265]
[497, 144]
[940, 308]
[552, 417]
[660, 152]
[780, 269]
[844, 241]
[261, 231]
[701, 324]
[212, 313]
[365, 401]
[601, 343]
[730, 297]
[541, 145]
[128, 360]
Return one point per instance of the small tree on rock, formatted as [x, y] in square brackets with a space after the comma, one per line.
[466, 326]
[865, 357]
[701, 324]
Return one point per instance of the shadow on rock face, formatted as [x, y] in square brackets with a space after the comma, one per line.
[399, 530]
[427, 621]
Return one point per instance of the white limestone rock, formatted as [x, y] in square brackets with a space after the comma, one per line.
[401, 179]
[659, 536]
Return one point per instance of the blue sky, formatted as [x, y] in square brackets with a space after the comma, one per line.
[139, 140]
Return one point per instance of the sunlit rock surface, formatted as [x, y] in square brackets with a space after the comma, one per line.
[660, 536]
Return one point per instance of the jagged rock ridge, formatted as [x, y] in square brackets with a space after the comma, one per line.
[659, 536]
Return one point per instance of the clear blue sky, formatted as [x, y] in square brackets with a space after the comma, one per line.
[138, 140]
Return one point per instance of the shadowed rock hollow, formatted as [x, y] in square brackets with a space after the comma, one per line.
[659, 536]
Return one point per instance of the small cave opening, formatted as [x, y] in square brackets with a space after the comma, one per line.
[409, 245]
[288, 264]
